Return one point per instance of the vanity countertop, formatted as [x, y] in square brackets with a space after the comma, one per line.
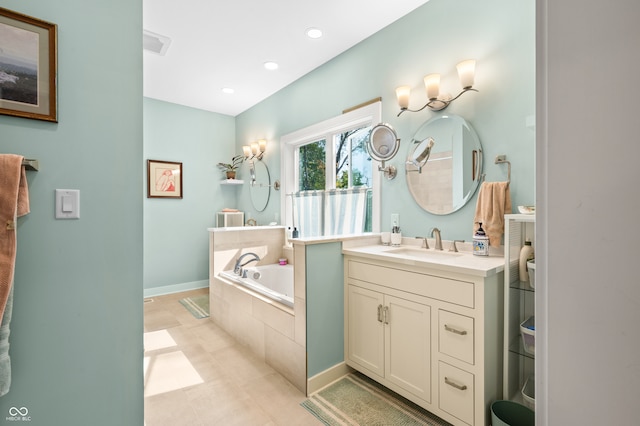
[462, 262]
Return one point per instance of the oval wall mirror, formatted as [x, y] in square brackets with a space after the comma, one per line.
[260, 185]
[444, 164]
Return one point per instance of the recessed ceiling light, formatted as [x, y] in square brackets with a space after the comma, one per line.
[314, 33]
[271, 65]
[228, 90]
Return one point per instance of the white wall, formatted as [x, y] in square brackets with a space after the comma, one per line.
[588, 199]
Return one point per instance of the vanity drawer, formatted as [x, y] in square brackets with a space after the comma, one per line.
[432, 286]
[456, 336]
[456, 392]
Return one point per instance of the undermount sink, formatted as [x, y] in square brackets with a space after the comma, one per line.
[424, 253]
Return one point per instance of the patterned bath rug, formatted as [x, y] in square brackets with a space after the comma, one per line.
[357, 400]
[197, 305]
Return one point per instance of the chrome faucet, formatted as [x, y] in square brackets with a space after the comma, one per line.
[238, 268]
[453, 247]
[436, 231]
[425, 244]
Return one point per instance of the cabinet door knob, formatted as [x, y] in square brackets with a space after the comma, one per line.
[454, 384]
[455, 330]
[379, 313]
[386, 314]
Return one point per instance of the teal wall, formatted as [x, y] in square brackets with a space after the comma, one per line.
[76, 334]
[176, 242]
[499, 34]
[325, 307]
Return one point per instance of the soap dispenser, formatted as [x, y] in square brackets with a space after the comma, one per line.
[480, 242]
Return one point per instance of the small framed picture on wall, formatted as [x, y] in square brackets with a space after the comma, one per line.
[28, 67]
[164, 179]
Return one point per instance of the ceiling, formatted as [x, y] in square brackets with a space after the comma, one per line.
[216, 44]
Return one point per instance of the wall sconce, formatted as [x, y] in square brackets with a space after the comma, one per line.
[438, 101]
[254, 150]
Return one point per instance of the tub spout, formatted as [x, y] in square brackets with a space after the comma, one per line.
[237, 269]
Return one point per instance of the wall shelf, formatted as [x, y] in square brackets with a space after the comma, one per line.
[231, 182]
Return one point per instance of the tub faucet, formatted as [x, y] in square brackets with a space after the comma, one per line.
[436, 231]
[237, 269]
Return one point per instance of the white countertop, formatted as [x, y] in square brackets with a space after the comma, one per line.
[463, 262]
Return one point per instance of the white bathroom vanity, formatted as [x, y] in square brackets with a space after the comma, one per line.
[428, 325]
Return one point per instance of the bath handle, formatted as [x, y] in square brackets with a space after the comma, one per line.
[379, 313]
[454, 384]
[455, 330]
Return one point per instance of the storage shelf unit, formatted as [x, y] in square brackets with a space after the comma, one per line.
[519, 304]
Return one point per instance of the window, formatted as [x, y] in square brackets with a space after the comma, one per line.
[329, 184]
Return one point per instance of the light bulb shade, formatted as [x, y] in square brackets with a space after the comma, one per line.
[254, 148]
[432, 84]
[466, 73]
[246, 150]
[403, 93]
[262, 145]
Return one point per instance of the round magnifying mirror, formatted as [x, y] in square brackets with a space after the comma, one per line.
[259, 185]
[421, 153]
[444, 164]
[383, 142]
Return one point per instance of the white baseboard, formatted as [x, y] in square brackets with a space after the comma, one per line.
[327, 377]
[175, 288]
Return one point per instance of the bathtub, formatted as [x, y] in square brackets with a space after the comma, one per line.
[273, 281]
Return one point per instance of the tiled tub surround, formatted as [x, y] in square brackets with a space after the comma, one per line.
[274, 332]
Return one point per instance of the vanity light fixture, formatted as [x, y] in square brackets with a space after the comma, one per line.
[254, 150]
[439, 101]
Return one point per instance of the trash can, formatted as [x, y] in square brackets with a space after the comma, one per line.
[509, 413]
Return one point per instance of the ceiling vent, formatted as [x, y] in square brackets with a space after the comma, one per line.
[155, 43]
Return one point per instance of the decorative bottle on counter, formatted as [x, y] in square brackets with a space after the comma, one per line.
[526, 254]
[480, 242]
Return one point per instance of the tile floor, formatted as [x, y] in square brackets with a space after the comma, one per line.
[197, 375]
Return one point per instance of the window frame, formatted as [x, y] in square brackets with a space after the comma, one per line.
[369, 115]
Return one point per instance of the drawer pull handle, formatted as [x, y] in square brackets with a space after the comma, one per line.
[454, 384]
[386, 314]
[455, 330]
[379, 313]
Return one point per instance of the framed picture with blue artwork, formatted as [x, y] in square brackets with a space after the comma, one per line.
[28, 67]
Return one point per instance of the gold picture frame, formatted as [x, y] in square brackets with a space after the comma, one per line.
[164, 179]
[28, 67]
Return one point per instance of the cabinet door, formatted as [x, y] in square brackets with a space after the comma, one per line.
[408, 350]
[366, 331]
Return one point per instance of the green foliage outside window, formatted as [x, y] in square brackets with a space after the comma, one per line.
[312, 166]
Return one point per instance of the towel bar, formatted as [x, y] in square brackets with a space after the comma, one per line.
[31, 165]
[501, 159]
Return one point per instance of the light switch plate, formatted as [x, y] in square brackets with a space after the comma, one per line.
[67, 204]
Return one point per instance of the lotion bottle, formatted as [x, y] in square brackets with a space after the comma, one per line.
[526, 254]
